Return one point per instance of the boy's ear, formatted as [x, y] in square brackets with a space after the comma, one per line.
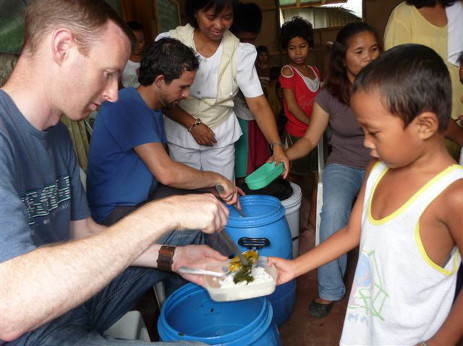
[428, 124]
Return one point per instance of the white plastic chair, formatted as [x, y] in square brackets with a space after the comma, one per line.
[321, 165]
[129, 327]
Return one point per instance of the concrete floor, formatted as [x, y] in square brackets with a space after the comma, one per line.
[304, 330]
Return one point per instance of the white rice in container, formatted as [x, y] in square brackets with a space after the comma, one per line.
[259, 274]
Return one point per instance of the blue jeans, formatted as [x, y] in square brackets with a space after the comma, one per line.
[341, 185]
[85, 324]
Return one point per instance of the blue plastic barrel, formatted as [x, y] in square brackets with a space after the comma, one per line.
[266, 229]
[189, 314]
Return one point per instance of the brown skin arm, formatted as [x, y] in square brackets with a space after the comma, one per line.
[338, 244]
[202, 134]
[265, 119]
[290, 98]
[178, 175]
[449, 212]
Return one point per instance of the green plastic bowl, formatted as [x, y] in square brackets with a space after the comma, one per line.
[264, 175]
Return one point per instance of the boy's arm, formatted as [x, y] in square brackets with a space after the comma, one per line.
[451, 331]
[338, 244]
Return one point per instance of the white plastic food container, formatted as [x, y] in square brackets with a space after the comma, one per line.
[240, 291]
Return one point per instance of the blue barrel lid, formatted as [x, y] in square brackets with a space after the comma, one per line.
[260, 210]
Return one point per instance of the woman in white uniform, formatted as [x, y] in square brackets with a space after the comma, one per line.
[201, 130]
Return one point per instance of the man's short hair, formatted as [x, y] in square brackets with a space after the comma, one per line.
[168, 57]
[84, 18]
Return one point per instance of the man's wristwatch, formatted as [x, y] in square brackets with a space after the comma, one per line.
[166, 258]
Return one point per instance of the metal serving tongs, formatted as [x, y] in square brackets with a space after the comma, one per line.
[225, 235]
[197, 271]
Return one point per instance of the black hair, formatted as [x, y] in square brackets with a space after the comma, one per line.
[247, 18]
[411, 79]
[262, 49]
[168, 57]
[193, 6]
[135, 26]
[430, 3]
[296, 27]
[337, 82]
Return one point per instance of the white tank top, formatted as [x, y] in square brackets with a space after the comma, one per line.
[399, 296]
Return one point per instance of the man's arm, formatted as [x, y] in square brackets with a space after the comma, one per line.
[178, 175]
[45, 283]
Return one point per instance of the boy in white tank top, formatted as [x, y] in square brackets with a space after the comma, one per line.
[408, 218]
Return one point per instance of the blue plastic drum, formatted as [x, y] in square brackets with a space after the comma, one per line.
[189, 314]
[266, 229]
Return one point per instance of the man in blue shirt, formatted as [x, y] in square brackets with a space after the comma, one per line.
[127, 158]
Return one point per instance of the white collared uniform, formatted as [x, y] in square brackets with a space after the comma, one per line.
[220, 157]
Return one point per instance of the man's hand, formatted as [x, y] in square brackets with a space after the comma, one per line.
[196, 211]
[196, 256]
[231, 192]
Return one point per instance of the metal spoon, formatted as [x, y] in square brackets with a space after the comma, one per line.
[197, 271]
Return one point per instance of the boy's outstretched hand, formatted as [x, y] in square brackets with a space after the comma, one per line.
[285, 269]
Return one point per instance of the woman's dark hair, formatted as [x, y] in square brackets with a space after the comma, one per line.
[247, 18]
[296, 27]
[337, 82]
[168, 57]
[430, 3]
[411, 79]
[193, 6]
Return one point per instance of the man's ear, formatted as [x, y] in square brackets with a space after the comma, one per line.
[61, 43]
[159, 80]
[427, 124]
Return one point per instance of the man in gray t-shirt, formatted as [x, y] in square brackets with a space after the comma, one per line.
[64, 278]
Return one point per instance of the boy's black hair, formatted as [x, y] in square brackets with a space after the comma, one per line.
[430, 3]
[168, 57]
[247, 18]
[193, 6]
[411, 79]
[296, 27]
